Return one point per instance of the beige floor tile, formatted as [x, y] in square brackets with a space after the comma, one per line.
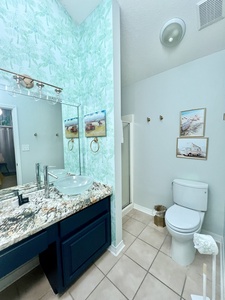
[142, 217]
[142, 253]
[128, 239]
[10, 293]
[151, 288]
[194, 286]
[106, 290]
[153, 237]
[107, 261]
[82, 288]
[166, 246]
[134, 227]
[127, 276]
[125, 219]
[159, 228]
[33, 285]
[197, 266]
[169, 272]
[130, 213]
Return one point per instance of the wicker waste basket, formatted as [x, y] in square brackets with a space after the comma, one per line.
[159, 217]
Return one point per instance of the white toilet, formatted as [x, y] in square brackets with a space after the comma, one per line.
[185, 217]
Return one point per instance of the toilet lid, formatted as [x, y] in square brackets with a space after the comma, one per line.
[182, 219]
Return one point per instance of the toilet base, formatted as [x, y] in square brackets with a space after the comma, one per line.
[183, 252]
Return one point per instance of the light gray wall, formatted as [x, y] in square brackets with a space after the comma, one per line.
[45, 120]
[199, 84]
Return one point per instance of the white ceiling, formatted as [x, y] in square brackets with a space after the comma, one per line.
[142, 54]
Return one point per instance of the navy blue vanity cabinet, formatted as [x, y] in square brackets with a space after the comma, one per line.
[83, 237]
[89, 238]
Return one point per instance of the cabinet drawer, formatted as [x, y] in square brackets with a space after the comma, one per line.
[18, 254]
[83, 217]
[79, 251]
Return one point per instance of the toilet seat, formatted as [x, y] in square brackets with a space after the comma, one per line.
[182, 219]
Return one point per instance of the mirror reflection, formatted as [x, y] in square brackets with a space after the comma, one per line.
[34, 131]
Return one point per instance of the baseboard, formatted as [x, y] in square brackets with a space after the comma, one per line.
[144, 209]
[127, 209]
[18, 273]
[115, 250]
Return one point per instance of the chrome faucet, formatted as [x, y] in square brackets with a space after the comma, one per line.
[46, 180]
[38, 175]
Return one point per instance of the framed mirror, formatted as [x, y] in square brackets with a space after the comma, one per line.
[33, 131]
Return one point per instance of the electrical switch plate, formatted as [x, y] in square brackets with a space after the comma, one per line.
[224, 116]
[25, 147]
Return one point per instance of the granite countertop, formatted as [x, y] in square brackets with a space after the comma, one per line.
[19, 222]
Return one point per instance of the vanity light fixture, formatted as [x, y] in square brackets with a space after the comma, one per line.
[16, 86]
[24, 83]
[172, 32]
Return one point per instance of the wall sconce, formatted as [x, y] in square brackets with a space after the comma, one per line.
[172, 32]
[25, 81]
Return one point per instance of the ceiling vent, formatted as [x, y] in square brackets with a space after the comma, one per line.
[209, 12]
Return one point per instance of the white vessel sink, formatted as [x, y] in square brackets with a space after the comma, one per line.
[73, 185]
[60, 173]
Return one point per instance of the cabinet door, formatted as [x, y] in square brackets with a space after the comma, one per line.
[83, 248]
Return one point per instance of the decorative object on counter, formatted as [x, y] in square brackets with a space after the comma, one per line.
[95, 124]
[22, 200]
[23, 85]
[196, 148]
[192, 123]
[94, 148]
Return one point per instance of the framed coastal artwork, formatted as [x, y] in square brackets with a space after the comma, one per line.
[95, 124]
[192, 123]
[71, 128]
[195, 148]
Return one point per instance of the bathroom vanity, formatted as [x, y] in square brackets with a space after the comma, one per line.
[67, 234]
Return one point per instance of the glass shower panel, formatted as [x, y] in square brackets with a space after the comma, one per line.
[126, 165]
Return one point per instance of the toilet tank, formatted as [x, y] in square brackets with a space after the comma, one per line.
[190, 194]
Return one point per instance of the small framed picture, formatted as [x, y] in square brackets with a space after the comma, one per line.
[71, 128]
[196, 148]
[95, 124]
[192, 123]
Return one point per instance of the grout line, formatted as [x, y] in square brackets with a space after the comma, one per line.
[116, 287]
[185, 279]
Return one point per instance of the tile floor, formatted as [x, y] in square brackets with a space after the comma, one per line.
[143, 271]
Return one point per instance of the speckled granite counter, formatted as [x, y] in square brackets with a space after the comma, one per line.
[19, 222]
